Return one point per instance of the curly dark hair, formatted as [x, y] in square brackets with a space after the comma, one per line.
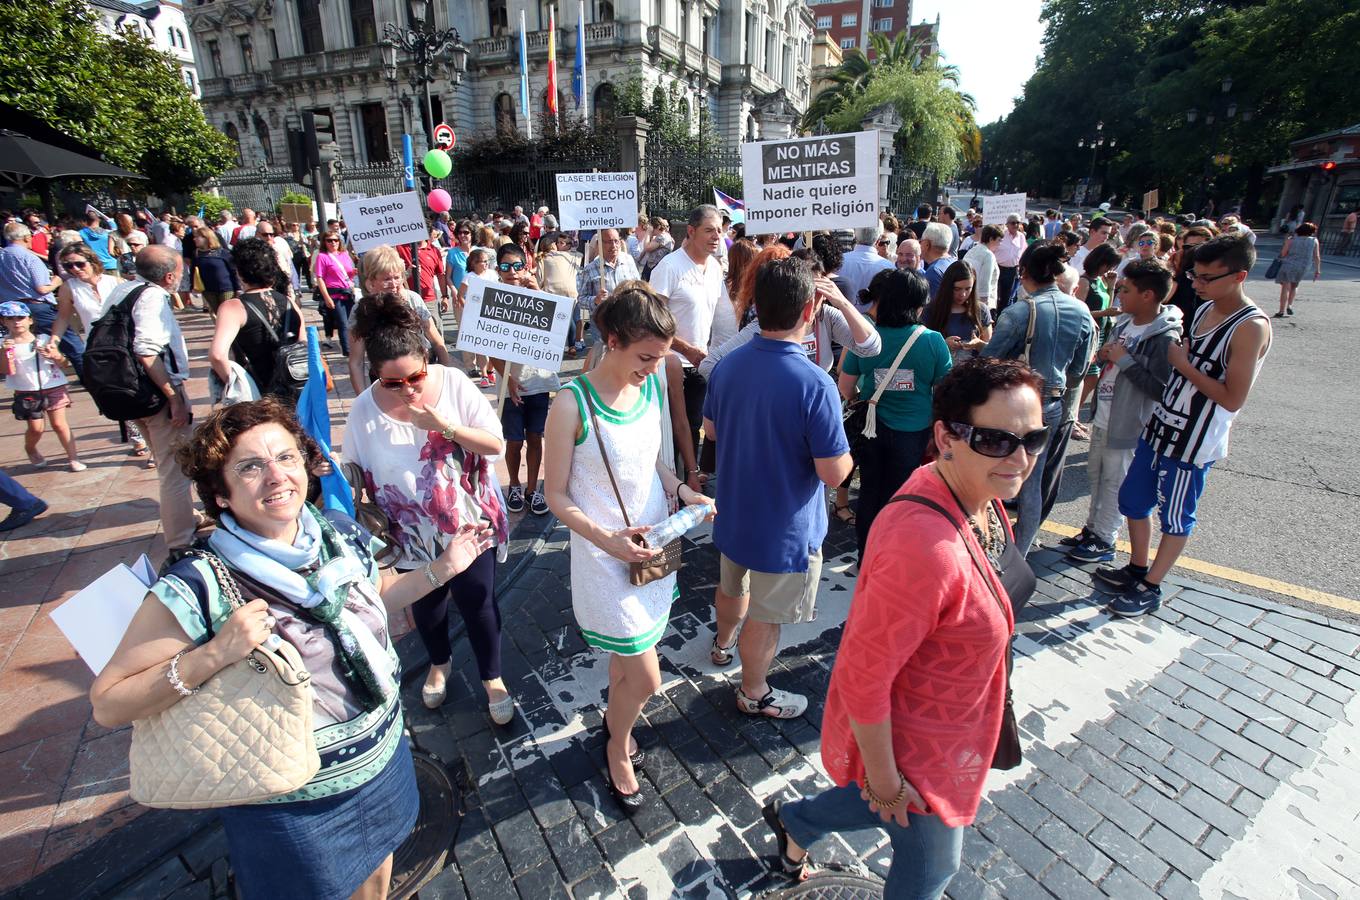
[389, 328]
[829, 249]
[255, 261]
[203, 458]
[972, 382]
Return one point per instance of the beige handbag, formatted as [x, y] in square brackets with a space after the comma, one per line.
[243, 737]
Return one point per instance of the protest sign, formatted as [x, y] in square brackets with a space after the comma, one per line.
[94, 619]
[997, 208]
[1151, 199]
[800, 184]
[597, 200]
[513, 323]
[393, 219]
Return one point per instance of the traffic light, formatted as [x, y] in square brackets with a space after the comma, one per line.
[297, 157]
[318, 132]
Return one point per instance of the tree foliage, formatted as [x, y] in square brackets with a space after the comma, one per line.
[119, 95]
[938, 129]
[1140, 67]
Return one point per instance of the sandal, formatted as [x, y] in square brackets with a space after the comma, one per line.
[797, 869]
[775, 704]
[140, 449]
[844, 513]
[720, 655]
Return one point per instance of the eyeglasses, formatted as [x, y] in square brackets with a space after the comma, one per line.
[250, 470]
[998, 443]
[509, 266]
[76, 264]
[1209, 279]
[415, 379]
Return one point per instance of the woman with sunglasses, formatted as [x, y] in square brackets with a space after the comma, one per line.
[333, 272]
[915, 710]
[426, 439]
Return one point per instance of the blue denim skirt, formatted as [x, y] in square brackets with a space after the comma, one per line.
[326, 848]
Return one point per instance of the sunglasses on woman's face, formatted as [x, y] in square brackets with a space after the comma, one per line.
[76, 264]
[332, 240]
[509, 266]
[415, 379]
[999, 443]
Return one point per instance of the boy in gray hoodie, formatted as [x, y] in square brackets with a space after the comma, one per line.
[1134, 374]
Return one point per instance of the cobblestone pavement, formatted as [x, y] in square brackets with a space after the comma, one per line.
[1206, 751]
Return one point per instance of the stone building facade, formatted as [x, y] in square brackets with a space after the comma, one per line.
[264, 62]
[162, 22]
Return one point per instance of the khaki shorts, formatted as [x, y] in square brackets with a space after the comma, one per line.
[783, 598]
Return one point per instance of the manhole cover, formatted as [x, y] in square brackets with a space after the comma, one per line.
[834, 886]
[421, 855]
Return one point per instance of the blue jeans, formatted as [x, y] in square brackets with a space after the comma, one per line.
[344, 306]
[44, 315]
[1030, 503]
[925, 855]
[15, 495]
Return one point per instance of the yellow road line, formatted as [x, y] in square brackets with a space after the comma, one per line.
[1297, 591]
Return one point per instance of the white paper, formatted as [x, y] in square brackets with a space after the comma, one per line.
[800, 184]
[513, 323]
[95, 619]
[997, 208]
[392, 219]
[597, 200]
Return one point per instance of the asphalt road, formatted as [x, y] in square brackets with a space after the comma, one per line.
[1285, 504]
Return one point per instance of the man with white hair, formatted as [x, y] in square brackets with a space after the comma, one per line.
[862, 263]
[1008, 261]
[935, 241]
[226, 226]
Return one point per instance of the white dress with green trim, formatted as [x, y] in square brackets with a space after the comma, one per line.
[615, 615]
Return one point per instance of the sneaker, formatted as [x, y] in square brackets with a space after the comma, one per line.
[775, 704]
[1078, 538]
[514, 499]
[1289, 311]
[1091, 550]
[484, 382]
[18, 518]
[538, 504]
[1139, 600]
[491, 374]
[1117, 581]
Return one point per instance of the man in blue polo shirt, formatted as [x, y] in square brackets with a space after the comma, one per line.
[782, 440]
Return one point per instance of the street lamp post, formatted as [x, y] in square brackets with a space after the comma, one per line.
[429, 49]
[1095, 142]
[1222, 109]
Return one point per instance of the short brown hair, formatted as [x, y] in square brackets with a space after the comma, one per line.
[84, 251]
[203, 458]
[971, 383]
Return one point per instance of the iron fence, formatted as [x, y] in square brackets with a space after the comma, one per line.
[679, 179]
[529, 181]
[909, 186]
[374, 179]
[1336, 242]
[257, 187]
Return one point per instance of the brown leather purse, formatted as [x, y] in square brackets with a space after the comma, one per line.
[665, 562]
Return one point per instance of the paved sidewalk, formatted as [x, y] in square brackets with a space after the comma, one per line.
[1206, 751]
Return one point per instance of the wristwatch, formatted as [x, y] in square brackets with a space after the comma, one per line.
[449, 432]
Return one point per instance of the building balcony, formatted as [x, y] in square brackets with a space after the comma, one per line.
[503, 50]
[245, 84]
[664, 41]
[745, 73]
[329, 63]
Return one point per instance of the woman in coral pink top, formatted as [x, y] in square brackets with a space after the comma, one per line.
[918, 693]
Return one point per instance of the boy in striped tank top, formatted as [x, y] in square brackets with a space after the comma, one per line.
[1212, 372]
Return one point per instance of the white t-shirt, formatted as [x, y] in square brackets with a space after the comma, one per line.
[693, 292]
[26, 363]
[1128, 338]
[724, 320]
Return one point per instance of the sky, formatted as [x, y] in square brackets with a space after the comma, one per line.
[994, 44]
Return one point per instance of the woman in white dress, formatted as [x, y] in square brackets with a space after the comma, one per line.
[624, 390]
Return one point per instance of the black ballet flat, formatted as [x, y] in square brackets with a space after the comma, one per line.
[631, 803]
[638, 757]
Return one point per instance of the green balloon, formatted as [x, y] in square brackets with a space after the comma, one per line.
[437, 163]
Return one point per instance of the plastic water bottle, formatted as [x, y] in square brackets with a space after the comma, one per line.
[662, 533]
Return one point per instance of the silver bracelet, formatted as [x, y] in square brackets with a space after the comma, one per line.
[172, 676]
[432, 578]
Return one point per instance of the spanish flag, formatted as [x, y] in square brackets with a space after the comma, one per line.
[552, 62]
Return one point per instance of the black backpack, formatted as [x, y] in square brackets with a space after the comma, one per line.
[291, 355]
[120, 386]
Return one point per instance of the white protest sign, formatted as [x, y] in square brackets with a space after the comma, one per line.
[800, 184]
[94, 619]
[597, 200]
[374, 221]
[514, 323]
[997, 208]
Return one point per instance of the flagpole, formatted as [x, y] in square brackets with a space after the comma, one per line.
[524, 76]
[581, 43]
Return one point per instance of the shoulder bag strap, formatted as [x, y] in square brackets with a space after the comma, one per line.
[37, 364]
[871, 420]
[604, 454]
[972, 551]
[273, 335]
[1029, 329]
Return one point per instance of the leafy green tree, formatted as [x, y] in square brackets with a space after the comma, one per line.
[117, 94]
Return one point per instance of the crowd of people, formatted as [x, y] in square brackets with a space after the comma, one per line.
[944, 364]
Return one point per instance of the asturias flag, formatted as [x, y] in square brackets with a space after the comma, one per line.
[552, 61]
[315, 417]
[578, 75]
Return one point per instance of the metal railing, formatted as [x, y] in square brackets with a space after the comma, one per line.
[679, 179]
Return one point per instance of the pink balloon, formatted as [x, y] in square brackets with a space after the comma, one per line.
[439, 200]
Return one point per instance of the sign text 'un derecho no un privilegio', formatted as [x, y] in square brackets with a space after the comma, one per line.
[514, 323]
[393, 219]
[588, 200]
[808, 183]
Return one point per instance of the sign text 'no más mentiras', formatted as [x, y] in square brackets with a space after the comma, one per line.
[513, 323]
[393, 219]
[805, 183]
[589, 200]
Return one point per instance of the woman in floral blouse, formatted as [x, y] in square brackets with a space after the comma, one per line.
[426, 439]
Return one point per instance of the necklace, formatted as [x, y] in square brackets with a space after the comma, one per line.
[989, 533]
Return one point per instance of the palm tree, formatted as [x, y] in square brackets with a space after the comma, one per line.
[856, 70]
